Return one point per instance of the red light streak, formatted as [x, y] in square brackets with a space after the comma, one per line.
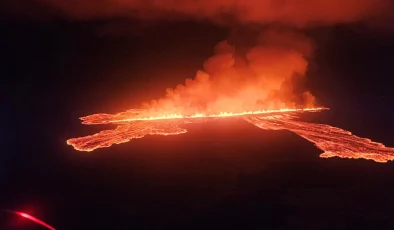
[34, 219]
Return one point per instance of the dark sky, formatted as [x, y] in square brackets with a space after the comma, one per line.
[54, 71]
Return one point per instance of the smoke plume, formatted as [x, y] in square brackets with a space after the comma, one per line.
[291, 12]
[263, 75]
[258, 77]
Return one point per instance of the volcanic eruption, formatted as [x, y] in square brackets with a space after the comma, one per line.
[256, 87]
[261, 81]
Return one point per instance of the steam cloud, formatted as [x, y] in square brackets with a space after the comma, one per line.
[263, 75]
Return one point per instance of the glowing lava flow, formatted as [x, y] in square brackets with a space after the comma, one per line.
[132, 127]
[134, 115]
[333, 141]
[126, 132]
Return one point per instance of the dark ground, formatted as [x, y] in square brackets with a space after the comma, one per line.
[221, 175]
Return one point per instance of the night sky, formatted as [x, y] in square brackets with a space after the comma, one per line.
[225, 174]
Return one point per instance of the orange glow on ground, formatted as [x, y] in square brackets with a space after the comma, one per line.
[131, 126]
[333, 141]
[131, 115]
[222, 114]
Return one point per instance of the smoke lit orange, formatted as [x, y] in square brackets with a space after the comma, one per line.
[260, 83]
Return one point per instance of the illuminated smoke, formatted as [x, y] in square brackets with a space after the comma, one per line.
[299, 13]
[235, 81]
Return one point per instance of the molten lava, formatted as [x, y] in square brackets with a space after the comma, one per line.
[134, 115]
[333, 141]
[256, 80]
[132, 126]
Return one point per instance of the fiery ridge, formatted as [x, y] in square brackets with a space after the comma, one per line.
[334, 142]
[106, 118]
[131, 126]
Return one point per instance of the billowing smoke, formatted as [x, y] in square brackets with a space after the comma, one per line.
[292, 12]
[265, 74]
[257, 77]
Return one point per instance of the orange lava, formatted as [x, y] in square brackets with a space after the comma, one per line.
[333, 141]
[132, 125]
[135, 115]
[126, 132]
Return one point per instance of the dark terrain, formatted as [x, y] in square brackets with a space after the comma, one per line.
[223, 174]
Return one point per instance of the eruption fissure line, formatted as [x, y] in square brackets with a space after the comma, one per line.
[222, 114]
[253, 75]
[333, 141]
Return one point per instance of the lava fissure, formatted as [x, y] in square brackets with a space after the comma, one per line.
[333, 141]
